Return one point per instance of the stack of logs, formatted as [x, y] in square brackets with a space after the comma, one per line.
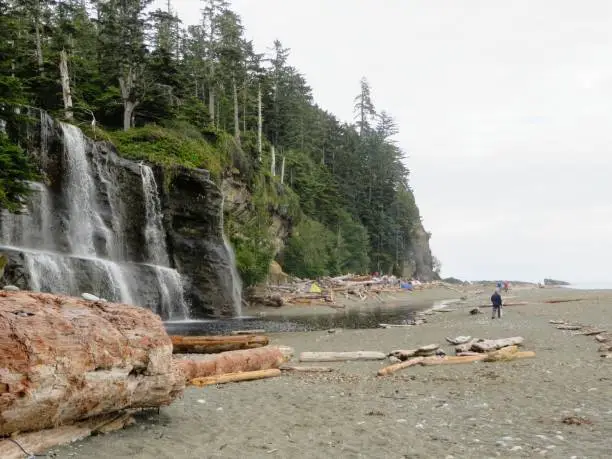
[347, 286]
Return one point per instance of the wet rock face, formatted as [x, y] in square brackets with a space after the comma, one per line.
[193, 217]
[420, 255]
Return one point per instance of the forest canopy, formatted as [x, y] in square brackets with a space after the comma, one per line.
[202, 96]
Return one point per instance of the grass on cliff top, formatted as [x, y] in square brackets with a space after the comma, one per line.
[174, 146]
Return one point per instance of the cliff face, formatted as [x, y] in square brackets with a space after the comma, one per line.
[120, 229]
[419, 260]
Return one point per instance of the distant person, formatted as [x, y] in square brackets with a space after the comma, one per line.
[506, 286]
[498, 287]
[496, 304]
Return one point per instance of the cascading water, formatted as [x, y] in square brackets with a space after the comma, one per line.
[170, 283]
[236, 282]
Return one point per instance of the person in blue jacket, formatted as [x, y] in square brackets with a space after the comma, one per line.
[496, 303]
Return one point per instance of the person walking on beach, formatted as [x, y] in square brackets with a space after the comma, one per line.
[496, 304]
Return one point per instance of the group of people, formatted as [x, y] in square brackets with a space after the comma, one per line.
[496, 299]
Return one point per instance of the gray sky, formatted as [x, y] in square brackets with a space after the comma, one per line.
[505, 111]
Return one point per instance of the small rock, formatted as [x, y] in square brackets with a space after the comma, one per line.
[103, 300]
[516, 448]
[500, 443]
[220, 408]
[89, 297]
[542, 437]
[475, 311]
[551, 447]
[507, 438]
[10, 288]
[201, 401]
[560, 437]
[394, 359]
[401, 420]
[420, 426]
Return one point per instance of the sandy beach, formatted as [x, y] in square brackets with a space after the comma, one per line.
[478, 410]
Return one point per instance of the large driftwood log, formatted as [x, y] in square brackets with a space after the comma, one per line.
[262, 358]
[452, 359]
[300, 369]
[235, 377]
[488, 345]
[341, 356]
[64, 359]
[398, 366]
[216, 344]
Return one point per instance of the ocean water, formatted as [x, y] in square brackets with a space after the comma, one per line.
[604, 285]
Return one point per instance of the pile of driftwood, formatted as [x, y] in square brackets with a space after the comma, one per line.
[600, 335]
[326, 290]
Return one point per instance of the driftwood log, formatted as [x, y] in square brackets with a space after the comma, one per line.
[216, 344]
[398, 366]
[235, 377]
[488, 345]
[65, 359]
[341, 356]
[299, 369]
[262, 358]
[37, 443]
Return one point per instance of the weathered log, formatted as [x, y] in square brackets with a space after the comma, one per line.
[505, 353]
[398, 366]
[216, 344]
[299, 369]
[65, 359]
[256, 331]
[493, 344]
[591, 331]
[557, 321]
[569, 327]
[563, 300]
[467, 353]
[37, 443]
[453, 359]
[465, 347]
[403, 354]
[427, 350]
[262, 358]
[603, 338]
[458, 340]
[341, 356]
[235, 377]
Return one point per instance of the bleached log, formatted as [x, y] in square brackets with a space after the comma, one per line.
[398, 366]
[64, 359]
[458, 340]
[312, 369]
[465, 347]
[216, 344]
[602, 338]
[262, 358]
[494, 344]
[39, 442]
[502, 354]
[569, 327]
[341, 356]
[235, 377]
[453, 359]
[591, 331]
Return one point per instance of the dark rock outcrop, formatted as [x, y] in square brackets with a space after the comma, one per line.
[419, 258]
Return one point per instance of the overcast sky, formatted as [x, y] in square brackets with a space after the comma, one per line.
[505, 111]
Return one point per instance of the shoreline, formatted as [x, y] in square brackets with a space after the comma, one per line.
[505, 409]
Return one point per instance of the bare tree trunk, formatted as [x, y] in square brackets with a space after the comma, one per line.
[39, 53]
[218, 113]
[273, 163]
[211, 105]
[283, 170]
[128, 114]
[244, 108]
[65, 77]
[259, 121]
[126, 84]
[236, 119]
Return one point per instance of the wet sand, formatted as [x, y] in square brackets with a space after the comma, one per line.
[479, 410]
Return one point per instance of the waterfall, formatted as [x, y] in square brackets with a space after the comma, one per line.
[169, 280]
[236, 282]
